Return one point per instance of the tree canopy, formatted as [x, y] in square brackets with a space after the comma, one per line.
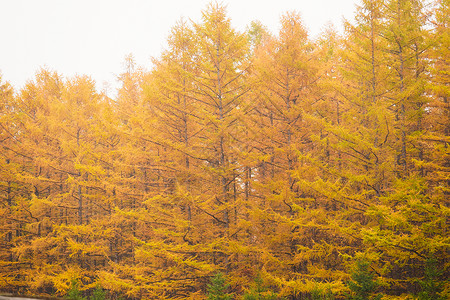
[313, 168]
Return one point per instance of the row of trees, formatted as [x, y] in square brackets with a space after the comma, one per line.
[264, 156]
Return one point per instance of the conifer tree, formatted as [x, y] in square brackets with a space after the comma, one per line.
[407, 236]
[287, 69]
[217, 290]
[14, 189]
[363, 284]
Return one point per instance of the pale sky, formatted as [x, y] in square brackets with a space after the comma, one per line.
[93, 37]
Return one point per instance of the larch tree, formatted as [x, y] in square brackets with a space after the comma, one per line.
[14, 189]
[220, 95]
[58, 126]
[437, 111]
[162, 133]
[394, 222]
[286, 71]
[411, 215]
[353, 161]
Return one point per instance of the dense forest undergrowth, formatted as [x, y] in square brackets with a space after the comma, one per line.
[244, 165]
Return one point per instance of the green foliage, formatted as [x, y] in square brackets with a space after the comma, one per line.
[218, 287]
[256, 33]
[74, 292]
[98, 294]
[431, 286]
[259, 292]
[363, 284]
[317, 294]
[259, 296]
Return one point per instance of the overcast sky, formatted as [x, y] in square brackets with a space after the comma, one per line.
[93, 36]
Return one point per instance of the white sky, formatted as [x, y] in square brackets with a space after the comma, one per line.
[93, 37]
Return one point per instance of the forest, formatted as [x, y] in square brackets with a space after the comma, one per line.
[241, 165]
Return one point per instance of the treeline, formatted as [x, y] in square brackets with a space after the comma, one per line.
[292, 161]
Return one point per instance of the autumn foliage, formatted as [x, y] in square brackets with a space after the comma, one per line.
[280, 158]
